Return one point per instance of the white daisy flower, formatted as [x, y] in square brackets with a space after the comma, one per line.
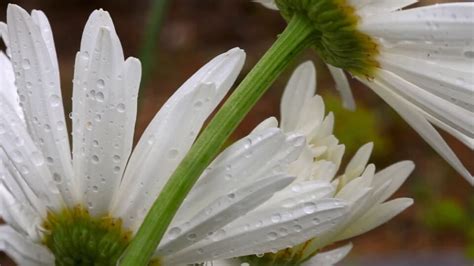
[364, 190]
[86, 209]
[419, 60]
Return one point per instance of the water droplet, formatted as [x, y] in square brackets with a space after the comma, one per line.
[95, 188]
[57, 178]
[218, 235]
[297, 228]
[60, 125]
[50, 160]
[47, 127]
[276, 217]
[37, 158]
[100, 83]
[55, 100]
[95, 159]
[309, 207]
[231, 196]
[95, 143]
[24, 170]
[174, 232]
[99, 97]
[19, 141]
[25, 63]
[89, 125]
[198, 104]
[17, 157]
[173, 153]
[116, 158]
[116, 169]
[192, 236]
[120, 107]
[469, 54]
[98, 117]
[283, 231]
[28, 85]
[316, 220]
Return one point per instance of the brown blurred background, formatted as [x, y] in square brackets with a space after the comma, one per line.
[437, 230]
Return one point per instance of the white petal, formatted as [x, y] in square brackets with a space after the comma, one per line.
[396, 173]
[22, 251]
[266, 231]
[7, 84]
[342, 85]
[20, 190]
[376, 216]
[245, 162]
[300, 87]
[357, 164]
[329, 258]
[27, 158]
[453, 85]
[375, 7]
[414, 117]
[441, 22]
[19, 215]
[220, 212]
[171, 133]
[39, 90]
[268, 4]
[265, 124]
[104, 114]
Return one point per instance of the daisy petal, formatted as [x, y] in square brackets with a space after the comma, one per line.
[171, 133]
[39, 91]
[266, 231]
[452, 85]
[300, 87]
[373, 7]
[342, 85]
[441, 22]
[248, 160]
[19, 215]
[376, 216]
[26, 158]
[357, 164]
[396, 174]
[329, 258]
[22, 251]
[414, 117]
[220, 212]
[7, 84]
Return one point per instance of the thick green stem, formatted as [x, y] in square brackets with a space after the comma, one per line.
[290, 43]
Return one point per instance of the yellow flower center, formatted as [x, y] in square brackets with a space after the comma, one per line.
[77, 238]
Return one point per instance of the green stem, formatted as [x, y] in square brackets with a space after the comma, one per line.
[295, 38]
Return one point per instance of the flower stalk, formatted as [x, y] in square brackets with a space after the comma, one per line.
[297, 36]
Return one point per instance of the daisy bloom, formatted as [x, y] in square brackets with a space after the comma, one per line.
[359, 186]
[84, 210]
[419, 60]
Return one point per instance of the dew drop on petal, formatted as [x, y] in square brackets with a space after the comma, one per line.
[54, 100]
[25, 63]
[309, 207]
[174, 232]
[173, 153]
[116, 158]
[57, 178]
[99, 97]
[37, 158]
[100, 83]
[192, 236]
[276, 217]
[120, 107]
[95, 159]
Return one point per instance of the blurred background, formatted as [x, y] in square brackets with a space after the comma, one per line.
[437, 230]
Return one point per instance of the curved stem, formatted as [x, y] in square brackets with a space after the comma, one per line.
[295, 38]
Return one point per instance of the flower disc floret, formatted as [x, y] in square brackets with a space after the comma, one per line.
[77, 238]
[336, 37]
